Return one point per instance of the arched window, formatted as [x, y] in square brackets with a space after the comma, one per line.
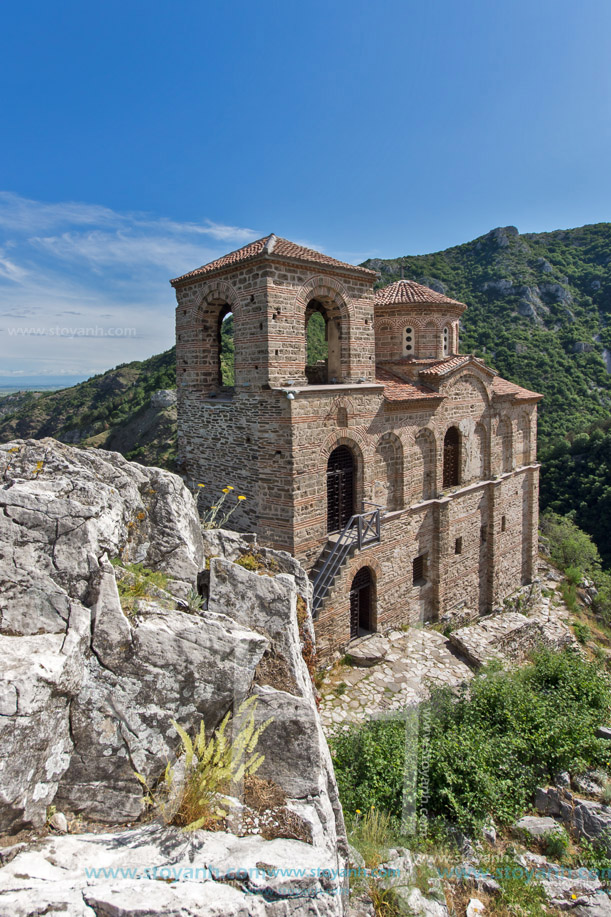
[451, 458]
[446, 341]
[340, 488]
[317, 348]
[362, 602]
[206, 350]
[408, 342]
[323, 324]
[226, 348]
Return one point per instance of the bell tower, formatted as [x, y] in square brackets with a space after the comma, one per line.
[242, 435]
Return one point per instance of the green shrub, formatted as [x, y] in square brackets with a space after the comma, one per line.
[582, 631]
[574, 575]
[483, 753]
[556, 843]
[570, 548]
[569, 597]
[594, 856]
[141, 584]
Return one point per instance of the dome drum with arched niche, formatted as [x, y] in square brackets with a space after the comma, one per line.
[415, 322]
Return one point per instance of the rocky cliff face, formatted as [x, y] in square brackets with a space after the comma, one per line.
[88, 691]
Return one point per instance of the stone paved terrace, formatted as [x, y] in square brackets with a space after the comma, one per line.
[414, 661]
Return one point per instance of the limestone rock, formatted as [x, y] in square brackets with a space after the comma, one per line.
[355, 857]
[586, 817]
[173, 874]
[88, 692]
[414, 902]
[59, 822]
[163, 398]
[360, 906]
[536, 826]
[568, 888]
[72, 503]
[368, 651]
[475, 908]
[489, 832]
[38, 677]
[509, 636]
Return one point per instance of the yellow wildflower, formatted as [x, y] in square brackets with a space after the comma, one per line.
[225, 490]
[201, 485]
[241, 498]
[229, 487]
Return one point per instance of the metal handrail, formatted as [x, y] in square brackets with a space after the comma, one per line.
[362, 529]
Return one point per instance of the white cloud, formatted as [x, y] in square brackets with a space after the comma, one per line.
[82, 263]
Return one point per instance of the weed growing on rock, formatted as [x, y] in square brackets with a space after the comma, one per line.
[191, 796]
[217, 516]
[372, 834]
[138, 583]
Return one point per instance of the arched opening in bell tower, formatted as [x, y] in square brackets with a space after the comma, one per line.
[323, 344]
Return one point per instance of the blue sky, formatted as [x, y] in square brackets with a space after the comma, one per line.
[140, 140]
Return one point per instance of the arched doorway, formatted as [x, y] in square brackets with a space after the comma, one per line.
[340, 488]
[451, 458]
[361, 604]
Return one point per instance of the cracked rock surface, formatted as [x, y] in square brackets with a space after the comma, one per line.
[88, 692]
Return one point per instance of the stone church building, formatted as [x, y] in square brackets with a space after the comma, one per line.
[401, 473]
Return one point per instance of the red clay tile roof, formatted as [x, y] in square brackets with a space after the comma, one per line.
[504, 388]
[272, 244]
[408, 291]
[443, 367]
[396, 389]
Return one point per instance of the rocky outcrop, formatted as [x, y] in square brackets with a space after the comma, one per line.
[89, 686]
[587, 818]
[508, 636]
[155, 870]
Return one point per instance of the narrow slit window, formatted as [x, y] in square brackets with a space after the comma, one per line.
[446, 341]
[458, 546]
[503, 523]
[419, 570]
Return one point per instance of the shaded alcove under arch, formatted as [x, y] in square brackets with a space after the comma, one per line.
[451, 458]
[362, 604]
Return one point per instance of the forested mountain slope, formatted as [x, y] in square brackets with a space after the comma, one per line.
[539, 313]
[112, 410]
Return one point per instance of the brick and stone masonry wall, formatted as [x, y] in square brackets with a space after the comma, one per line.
[275, 450]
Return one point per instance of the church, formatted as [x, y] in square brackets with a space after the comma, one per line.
[401, 473]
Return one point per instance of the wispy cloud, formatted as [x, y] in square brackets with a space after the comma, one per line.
[68, 262]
